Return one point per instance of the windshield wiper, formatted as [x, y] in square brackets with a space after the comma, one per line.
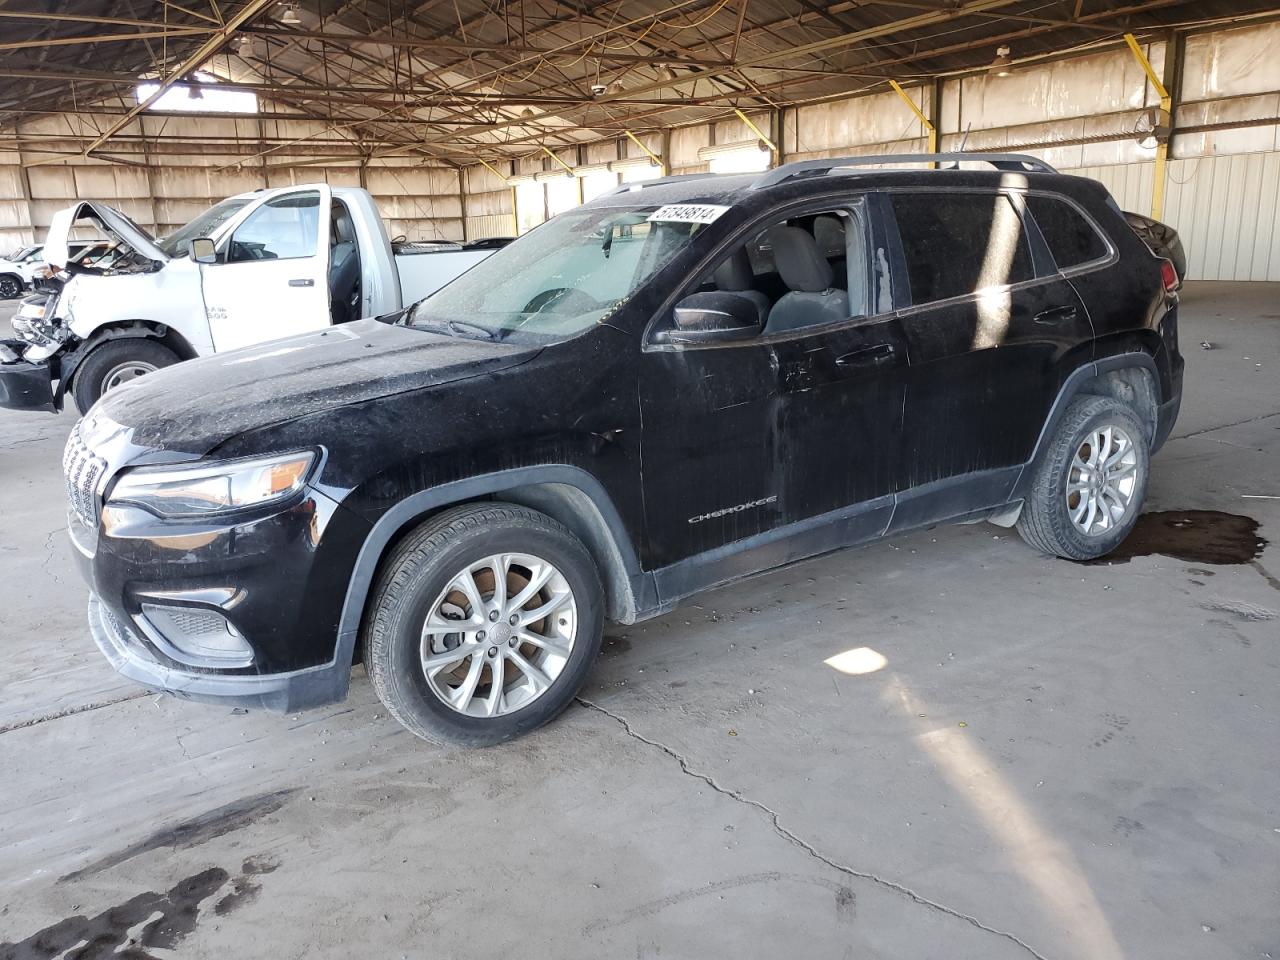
[458, 328]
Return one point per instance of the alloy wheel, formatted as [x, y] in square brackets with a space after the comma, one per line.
[9, 288]
[499, 634]
[1102, 480]
[124, 372]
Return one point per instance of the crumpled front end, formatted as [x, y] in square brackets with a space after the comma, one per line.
[30, 362]
[25, 384]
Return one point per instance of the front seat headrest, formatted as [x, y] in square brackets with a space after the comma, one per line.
[828, 231]
[735, 273]
[802, 266]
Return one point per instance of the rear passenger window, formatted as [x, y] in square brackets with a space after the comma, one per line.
[955, 244]
[1072, 239]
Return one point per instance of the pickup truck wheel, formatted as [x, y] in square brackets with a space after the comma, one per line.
[115, 362]
[483, 624]
[1088, 486]
[10, 286]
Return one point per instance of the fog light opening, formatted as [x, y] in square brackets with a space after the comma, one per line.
[195, 635]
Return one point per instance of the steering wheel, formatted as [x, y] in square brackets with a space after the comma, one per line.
[569, 300]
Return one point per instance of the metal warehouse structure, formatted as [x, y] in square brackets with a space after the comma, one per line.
[468, 119]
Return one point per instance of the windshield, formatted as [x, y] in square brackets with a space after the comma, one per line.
[560, 278]
[23, 254]
[175, 244]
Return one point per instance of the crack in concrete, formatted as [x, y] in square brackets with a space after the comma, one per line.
[72, 711]
[1197, 433]
[792, 838]
[48, 554]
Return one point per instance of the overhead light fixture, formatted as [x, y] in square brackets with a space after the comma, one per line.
[193, 90]
[527, 113]
[1001, 66]
[665, 73]
[244, 48]
[290, 17]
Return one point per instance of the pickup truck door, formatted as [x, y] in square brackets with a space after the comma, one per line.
[271, 278]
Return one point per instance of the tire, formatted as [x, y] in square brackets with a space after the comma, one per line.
[110, 361]
[424, 576]
[1052, 518]
[10, 286]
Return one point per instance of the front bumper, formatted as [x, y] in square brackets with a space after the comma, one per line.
[25, 385]
[276, 581]
[128, 653]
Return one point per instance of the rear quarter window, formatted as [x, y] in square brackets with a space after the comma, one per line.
[1072, 239]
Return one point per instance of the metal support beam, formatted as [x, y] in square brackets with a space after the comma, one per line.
[1165, 119]
[930, 130]
[549, 153]
[652, 156]
[196, 60]
[768, 141]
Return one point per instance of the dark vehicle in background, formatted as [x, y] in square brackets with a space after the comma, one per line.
[679, 384]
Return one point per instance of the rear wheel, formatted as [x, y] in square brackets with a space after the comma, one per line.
[116, 362]
[484, 623]
[1089, 484]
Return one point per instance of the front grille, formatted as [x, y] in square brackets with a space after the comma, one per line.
[82, 470]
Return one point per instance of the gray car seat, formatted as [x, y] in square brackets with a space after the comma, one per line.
[734, 275]
[813, 298]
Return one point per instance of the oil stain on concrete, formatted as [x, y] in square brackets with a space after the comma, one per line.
[1195, 536]
[166, 919]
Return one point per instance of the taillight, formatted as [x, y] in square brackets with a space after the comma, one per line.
[1169, 276]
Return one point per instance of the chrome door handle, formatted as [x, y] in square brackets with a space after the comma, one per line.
[302, 283]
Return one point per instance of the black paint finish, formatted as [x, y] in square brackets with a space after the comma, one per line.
[680, 466]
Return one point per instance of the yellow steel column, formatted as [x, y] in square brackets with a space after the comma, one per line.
[930, 129]
[652, 156]
[1166, 106]
[764, 137]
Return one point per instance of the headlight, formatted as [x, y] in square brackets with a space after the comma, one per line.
[205, 489]
[32, 310]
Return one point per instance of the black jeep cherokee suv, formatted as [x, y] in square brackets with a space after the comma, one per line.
[681, 383]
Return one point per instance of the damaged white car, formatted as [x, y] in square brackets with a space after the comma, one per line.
[251, 268]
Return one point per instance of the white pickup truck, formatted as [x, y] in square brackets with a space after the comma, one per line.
[254, 267]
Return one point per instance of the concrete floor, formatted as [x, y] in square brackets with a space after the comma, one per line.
[1055, 761]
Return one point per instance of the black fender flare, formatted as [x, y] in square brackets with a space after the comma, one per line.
[1071, 388]
[630, 591]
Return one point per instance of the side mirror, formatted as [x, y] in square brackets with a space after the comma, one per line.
[201, 250]
[714, 316]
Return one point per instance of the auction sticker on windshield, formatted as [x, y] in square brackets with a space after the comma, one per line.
[688, 213]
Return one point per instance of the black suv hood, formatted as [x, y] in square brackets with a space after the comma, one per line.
[193, 407]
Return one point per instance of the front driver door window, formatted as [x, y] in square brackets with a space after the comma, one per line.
[272, 278]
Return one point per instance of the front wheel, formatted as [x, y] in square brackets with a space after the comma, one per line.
[10, 286]
[484, 623]
[115, 362]
[1089, 484]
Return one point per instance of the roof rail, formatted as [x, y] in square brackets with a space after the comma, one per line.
[656, 182]
[1001, 161]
